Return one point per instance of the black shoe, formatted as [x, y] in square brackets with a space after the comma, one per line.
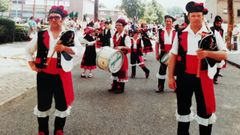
[83, 75]
[147, 74]
[215, 82]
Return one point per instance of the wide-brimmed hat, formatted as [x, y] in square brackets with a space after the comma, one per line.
[122, 21]
[168, 16]
[196, 7]
[59, 10]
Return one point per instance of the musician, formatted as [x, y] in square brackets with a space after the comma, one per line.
[121, 42]
[136, 54]
[217, 26]
[184, 58]
[89, 57]
[146, 39]
[52, 80]
[107, 34]
[98, 34]
[164, 44]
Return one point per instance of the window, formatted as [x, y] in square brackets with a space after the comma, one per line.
[238, 13]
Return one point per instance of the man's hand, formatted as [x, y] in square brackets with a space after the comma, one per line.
[33, 67]
[172, 83]
[201, 54]
[60, 48]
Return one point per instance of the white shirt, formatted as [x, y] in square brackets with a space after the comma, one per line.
[135, 42]
[127, 40]
[167, 38]
[193, 39]
[32, 46]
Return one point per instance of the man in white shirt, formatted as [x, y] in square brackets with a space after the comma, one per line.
[192, 68]
[164, 44]
[52, 80]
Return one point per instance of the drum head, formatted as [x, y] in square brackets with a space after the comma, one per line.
[164, 58]
[115, 62]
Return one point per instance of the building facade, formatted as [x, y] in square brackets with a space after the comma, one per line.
[38, 8]
[219, 7]
[86, 7]
[24, 9]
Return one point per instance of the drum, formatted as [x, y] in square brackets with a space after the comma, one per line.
[164, 58]
[109, 59]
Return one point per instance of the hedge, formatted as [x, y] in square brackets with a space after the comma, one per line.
[7, 29]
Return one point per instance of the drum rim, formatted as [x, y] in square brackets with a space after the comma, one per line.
[108, 67]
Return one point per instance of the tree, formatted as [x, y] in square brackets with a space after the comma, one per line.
[96, 10]
[230, 23]
[154, 12]
[133, 8]
[4, 4]
[175, 11]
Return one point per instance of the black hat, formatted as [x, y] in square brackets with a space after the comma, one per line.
[122, 21]
[168, 16]
[196, 7]
[218, 19]
[58, 10]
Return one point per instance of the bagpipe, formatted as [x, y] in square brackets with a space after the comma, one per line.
[208, 43]
[66, 39]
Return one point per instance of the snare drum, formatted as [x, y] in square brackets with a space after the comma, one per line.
[109, 59]
[164, 58]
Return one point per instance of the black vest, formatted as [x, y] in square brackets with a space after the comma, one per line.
[42, 50]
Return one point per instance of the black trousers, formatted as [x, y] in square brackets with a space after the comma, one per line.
[187, 84]
[49, 87]
[162, 72]
[185, 92]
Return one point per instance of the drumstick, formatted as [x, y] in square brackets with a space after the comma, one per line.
[49, 60]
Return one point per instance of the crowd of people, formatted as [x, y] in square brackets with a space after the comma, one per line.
[189, 53]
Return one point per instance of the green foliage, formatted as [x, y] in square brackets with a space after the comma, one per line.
[4, 4]
[7, 29]
[133, 8]
[21, 32]
[154, 12]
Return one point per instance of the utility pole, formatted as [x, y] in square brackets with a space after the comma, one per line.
[95, 10]
[230, 23]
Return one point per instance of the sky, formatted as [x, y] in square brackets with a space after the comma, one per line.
[165, 3]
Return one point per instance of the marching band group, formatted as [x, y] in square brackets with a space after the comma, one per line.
[190, 55]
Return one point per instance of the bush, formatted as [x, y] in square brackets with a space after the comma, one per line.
[7, 29]
[21, 32]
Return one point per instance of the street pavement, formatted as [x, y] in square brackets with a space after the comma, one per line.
[139, 111]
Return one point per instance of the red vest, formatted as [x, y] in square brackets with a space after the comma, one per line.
[165, 47]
